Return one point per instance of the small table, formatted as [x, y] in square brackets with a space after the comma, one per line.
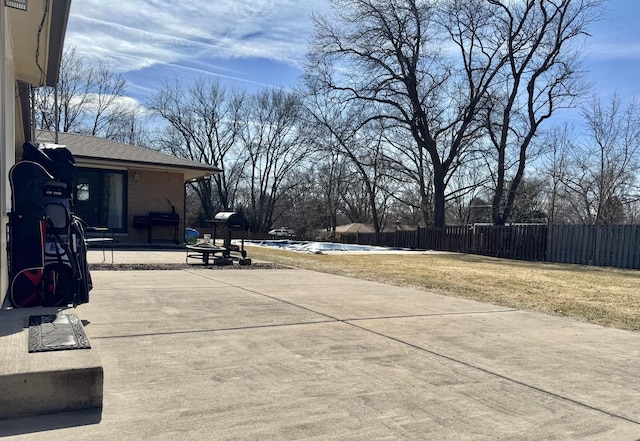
[203, 251]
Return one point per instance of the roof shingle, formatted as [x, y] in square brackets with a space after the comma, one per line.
[89, 147]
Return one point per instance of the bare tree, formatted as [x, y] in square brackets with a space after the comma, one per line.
[274, 145]
[332, 169]
[541, 75]
[131, 126]
[555, 165]
[386, 56]
[91, 99]
[467, 188]
[105, 100]
[334, 179]
[348, 132]
[305, 206]
[203, 124]
[602, 180]
[512, 67]
[74, 82]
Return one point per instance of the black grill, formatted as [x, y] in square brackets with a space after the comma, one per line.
[232, 220]
[162, 218]
[228, 221]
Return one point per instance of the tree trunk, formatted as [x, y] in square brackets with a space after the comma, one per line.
[439, 197]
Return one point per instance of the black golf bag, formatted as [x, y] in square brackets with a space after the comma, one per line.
[47, 251]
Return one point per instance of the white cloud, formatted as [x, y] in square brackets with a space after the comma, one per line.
[629, 51]
[133, 34]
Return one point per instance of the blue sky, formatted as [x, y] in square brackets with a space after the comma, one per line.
[613, 52]
[254, 43]
[245, 43]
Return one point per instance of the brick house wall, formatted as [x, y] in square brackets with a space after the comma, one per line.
[151, 178]
[149, 190]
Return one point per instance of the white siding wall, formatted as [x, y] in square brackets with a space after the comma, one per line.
[7, 140]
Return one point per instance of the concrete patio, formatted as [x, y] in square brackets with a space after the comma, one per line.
[286, 354]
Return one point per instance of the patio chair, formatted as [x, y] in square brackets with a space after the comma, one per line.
[100, 235]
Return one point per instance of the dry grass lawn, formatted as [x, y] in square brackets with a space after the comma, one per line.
[604, 296]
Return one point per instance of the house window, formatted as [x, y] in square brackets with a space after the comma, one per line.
[101, 198]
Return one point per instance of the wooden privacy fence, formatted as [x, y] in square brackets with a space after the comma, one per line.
[602, 245]
[521, 242]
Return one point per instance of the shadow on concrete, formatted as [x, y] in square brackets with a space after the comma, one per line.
[43, 423]
[11, 324]
[16, 320]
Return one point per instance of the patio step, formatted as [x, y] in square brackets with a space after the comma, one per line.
[43, 382]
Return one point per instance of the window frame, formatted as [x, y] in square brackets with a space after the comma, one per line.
[99, 176]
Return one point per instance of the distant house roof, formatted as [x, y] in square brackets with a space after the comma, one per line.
[88, 150]
[355, 228]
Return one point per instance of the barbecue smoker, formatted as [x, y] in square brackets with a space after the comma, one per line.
[225, 222]
[159, 219]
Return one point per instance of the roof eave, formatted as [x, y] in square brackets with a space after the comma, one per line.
[59, 20]
[190, 173]
[37, 37]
